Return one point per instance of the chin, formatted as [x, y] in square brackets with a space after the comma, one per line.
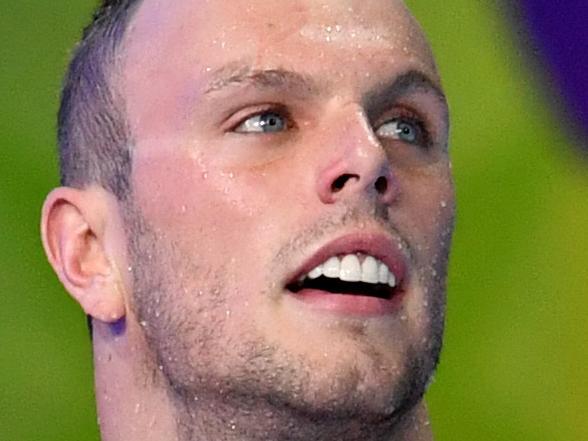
[367, 384]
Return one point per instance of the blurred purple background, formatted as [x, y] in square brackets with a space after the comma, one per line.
[559, 31]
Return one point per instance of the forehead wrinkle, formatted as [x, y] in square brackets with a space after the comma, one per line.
[278, 78]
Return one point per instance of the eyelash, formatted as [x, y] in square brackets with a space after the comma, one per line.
[412, 117]
[278, 109]
[402, 113]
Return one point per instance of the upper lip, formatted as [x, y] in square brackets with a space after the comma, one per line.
[381, 246]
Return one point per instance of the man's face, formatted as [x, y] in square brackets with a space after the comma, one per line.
[269, 137]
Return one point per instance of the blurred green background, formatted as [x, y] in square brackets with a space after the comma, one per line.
[514, 363]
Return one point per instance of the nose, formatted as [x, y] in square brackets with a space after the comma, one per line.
[356, 166]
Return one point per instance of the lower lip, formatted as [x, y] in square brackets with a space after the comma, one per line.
[348, 304]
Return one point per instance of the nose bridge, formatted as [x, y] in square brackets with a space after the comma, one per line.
[355, 164]
[358, 137]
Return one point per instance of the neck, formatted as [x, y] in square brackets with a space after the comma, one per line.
[136, 403]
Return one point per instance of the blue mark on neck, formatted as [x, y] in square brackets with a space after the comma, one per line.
[118, 328]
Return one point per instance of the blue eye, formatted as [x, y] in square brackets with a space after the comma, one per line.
[266, 122]
[401, 129]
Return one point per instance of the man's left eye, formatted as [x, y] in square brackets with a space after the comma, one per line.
[266, 122]
[401, 129]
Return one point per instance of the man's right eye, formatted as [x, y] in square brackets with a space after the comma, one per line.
[264, 122]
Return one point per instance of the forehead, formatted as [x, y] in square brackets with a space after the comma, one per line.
[172, 47]
[242, 25]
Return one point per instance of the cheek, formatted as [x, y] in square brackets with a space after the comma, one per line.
[430, 201]
[180, 193]
[218, 218]
[210, 219]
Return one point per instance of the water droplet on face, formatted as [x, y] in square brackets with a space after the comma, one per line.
[204, 175]
[183, 209]
[443, 204]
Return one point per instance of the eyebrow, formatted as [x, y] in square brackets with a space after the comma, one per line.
[230, 75]
[409, 82]
[375, 101]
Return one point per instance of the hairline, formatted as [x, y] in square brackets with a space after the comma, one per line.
[94, 136]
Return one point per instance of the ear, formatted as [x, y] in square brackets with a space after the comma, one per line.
[73, 231]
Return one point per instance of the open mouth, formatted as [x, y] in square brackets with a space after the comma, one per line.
[337, 286]
[350, 274]
[360, 274]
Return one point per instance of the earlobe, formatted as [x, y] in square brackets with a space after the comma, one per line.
[72, 229]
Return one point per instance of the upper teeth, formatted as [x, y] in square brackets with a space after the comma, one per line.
[349, 269]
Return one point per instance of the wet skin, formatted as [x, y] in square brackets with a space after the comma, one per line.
[265, 132]
[232, 212]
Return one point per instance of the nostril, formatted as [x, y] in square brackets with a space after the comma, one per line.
[340, 182]
[381, 185]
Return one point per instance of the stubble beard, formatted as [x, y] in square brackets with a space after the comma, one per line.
[266, 396]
